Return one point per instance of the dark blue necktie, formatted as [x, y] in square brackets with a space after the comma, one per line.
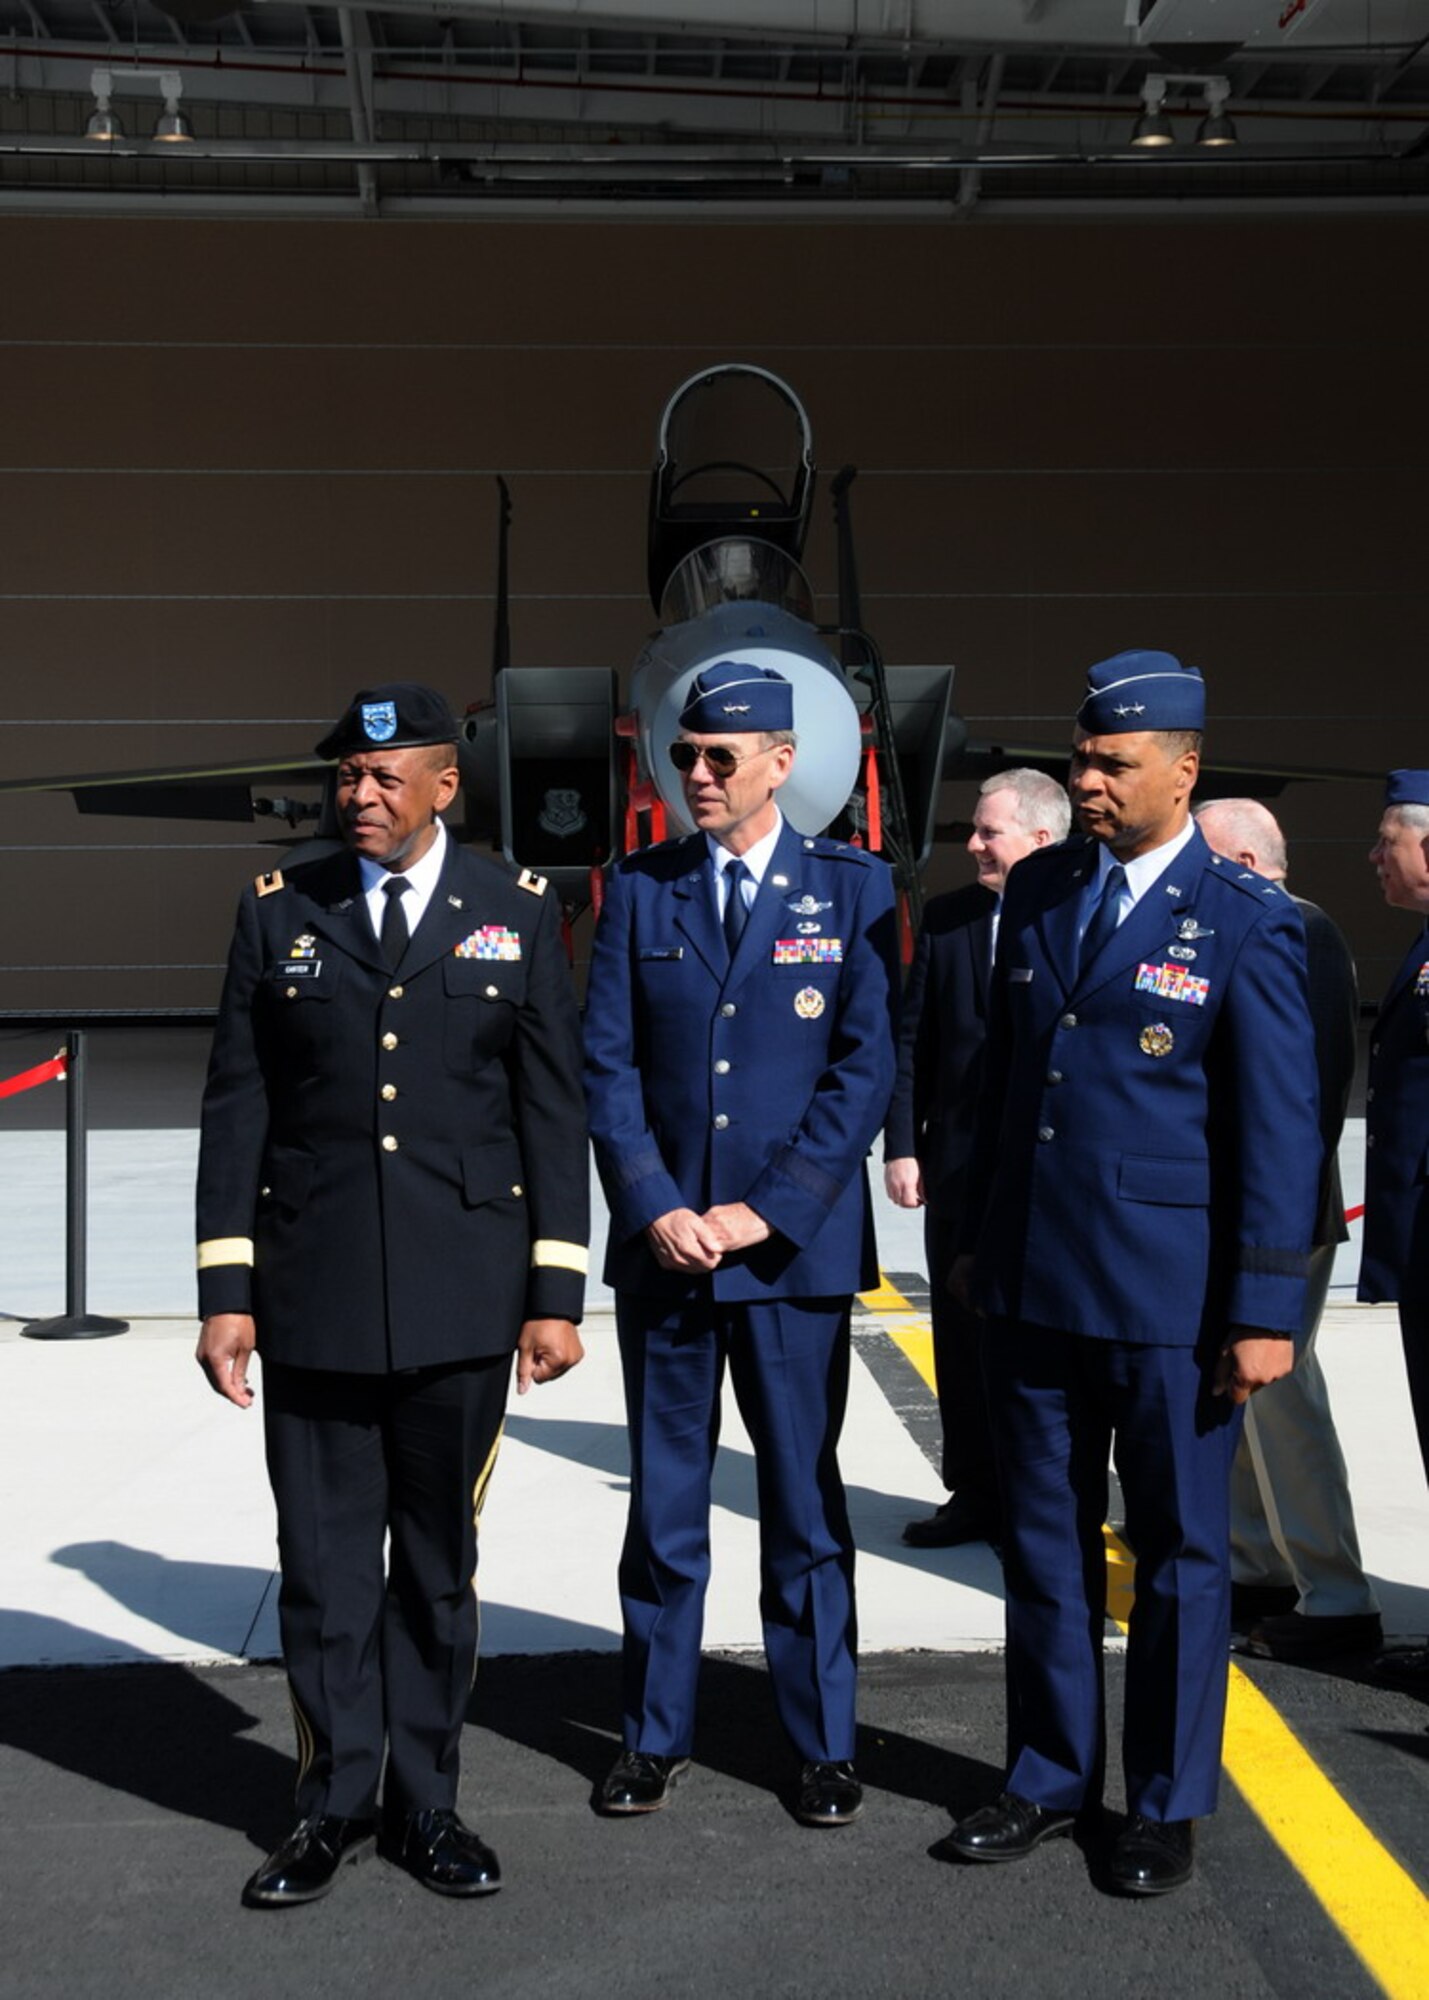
[735, 912]
[1104, 916]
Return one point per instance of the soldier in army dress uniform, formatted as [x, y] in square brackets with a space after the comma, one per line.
[392, 1198]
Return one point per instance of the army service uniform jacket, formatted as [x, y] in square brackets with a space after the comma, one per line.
[1148, 1148]
[1395, 1260]
[393, 1167]
[763, 1081]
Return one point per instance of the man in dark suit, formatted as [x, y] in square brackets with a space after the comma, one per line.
[928, 1138]
[392, 1197]
[1145, 1166]
[739, 1059]
[1298, 1587]
[1395, 1260]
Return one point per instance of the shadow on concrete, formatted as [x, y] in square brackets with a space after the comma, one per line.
[215, 1605]
[878, 1515]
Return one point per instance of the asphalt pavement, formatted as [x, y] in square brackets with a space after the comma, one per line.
[135, 1800]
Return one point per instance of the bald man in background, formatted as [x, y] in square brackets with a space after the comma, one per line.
[1298, 1587]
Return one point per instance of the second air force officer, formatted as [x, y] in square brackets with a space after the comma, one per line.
[1147, 1158]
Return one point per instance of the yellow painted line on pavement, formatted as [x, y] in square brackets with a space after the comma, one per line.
[1374, 1903]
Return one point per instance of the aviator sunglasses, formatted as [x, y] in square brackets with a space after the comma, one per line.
[720, 760]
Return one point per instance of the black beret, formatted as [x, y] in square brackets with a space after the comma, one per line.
[399, 715]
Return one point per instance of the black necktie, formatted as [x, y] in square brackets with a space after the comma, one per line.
[393, 939]
[1104, 916]
[735, 912]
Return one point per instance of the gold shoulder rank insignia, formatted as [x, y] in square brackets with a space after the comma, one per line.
[529, 880]
[268, 885]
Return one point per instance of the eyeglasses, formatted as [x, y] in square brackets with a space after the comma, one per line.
[720, 760]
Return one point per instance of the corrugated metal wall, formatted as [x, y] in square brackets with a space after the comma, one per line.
[246, 467]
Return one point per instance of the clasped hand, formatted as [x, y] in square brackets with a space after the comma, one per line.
[684, 1241]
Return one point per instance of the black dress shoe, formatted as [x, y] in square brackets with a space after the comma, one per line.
[1152, 1856]
[639, 1782]
[959, 1519]
[304, 1867]
[1250, 1602]
[1403, 1666]
[442, 1853]
[829, 1795]
[1007, 1830]
[1296, 1637]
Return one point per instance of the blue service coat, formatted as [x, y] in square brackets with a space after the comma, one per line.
[763, 1081]
[1148, 1168]
[1395, 1260]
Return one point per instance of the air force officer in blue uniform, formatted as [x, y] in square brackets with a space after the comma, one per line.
[1148, 1155]
[1395, 1261]
[739, 1053]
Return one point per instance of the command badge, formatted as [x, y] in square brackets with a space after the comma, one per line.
[1157, 1039]
[1421, 984]
[808, 1003]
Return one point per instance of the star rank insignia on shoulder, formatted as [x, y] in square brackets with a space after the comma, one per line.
[269, 884]
[533, 883]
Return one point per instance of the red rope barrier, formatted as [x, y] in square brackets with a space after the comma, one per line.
[29, 1078]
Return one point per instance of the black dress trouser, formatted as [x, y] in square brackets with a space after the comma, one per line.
[380, 1653]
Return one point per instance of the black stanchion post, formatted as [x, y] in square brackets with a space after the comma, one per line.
[75, 1323]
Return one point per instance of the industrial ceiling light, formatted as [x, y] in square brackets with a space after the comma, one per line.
[1216, 128]
[103, 123]
[1153, 127]
[172, 127]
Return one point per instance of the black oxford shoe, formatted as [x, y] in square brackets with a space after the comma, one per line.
[1152, 1856]
[1007, 1830]
[1403, 1666]
[443, 1853]
[640, 1782]
[1295, 1637]
[305, 1866]
[829, 1795]
[960, 1519]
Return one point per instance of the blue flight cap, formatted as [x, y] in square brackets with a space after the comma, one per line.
[733, 697]
[399, 715]
[1140, 690]
[1407, 788]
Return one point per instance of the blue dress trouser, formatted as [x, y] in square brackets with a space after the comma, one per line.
[789, 1361]
[1058, 1401]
